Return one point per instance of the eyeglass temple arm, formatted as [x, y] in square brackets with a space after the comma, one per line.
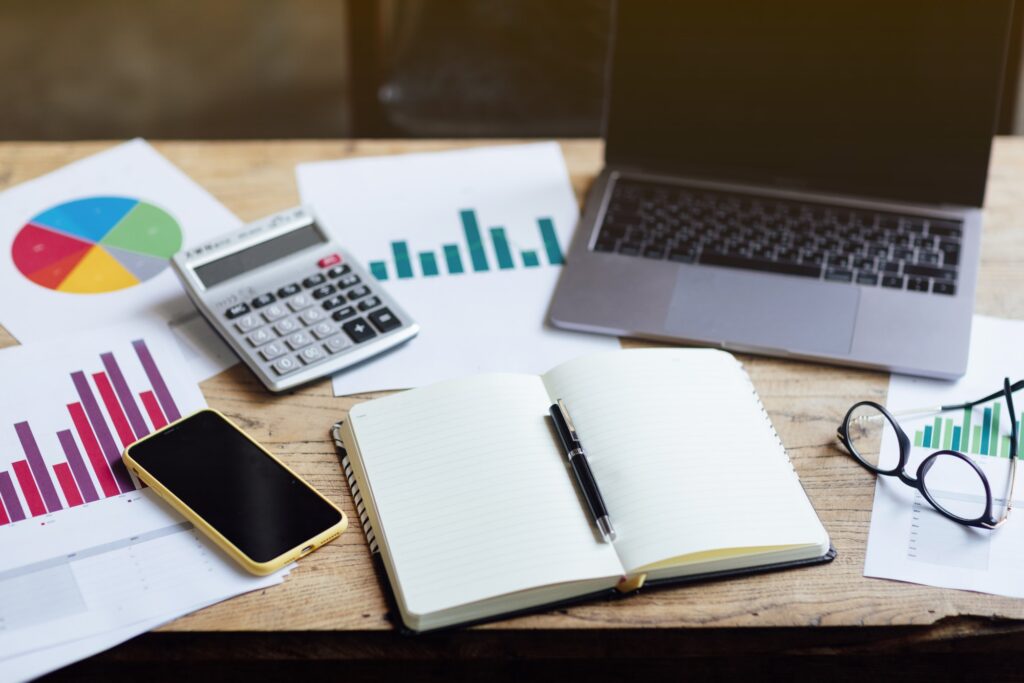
[1016, 386]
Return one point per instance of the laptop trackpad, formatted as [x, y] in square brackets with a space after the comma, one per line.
[785, 313]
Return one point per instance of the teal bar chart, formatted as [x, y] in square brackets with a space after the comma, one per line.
[403, 267]
[453, 259]
[428, 263]
[487, 251]
[501, 248]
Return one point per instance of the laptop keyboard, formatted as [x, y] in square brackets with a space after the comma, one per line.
[836, 243]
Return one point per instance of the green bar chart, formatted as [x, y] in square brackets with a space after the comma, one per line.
[477, 251]
[983, 439]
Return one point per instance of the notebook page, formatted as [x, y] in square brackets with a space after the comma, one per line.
[472, 492]
[683, 454]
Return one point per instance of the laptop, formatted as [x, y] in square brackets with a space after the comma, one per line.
[794, 178]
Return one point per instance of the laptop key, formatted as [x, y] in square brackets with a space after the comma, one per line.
[682, 255]
[929, 271]
[839, 275]
[867, 278]
[944, 228]
[893, 281]
[944, 288]
[918, 284]
[950, 253]
[713, 258]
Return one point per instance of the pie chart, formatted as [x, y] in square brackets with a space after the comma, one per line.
[96, 244]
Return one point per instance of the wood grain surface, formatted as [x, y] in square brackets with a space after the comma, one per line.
[335, 589]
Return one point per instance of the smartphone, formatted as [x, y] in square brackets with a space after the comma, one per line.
[232, 489]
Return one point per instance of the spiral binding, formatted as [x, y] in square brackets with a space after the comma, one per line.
[768, 419]
[353, 485]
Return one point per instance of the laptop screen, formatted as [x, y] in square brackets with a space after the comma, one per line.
[882, 98]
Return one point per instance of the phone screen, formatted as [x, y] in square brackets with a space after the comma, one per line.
[215, 469]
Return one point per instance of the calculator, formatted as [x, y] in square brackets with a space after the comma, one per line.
[292, 304]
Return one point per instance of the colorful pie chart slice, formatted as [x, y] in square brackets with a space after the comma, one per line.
[96, 244]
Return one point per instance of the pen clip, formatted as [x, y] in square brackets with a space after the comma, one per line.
[568, 420]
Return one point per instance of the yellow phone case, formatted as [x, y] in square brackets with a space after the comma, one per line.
[251, 565]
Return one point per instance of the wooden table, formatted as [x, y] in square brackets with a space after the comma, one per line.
[332, 608]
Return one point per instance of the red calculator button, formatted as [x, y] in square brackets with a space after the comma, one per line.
[327, 261]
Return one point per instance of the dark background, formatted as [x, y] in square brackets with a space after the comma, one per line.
[228, 69]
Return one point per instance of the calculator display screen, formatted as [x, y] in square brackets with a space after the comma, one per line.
[261, 254]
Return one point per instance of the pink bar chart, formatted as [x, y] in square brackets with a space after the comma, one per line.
[85, 457]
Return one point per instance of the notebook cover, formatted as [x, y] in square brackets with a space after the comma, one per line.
[394, 615]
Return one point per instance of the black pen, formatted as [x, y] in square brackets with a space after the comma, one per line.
[581, 468]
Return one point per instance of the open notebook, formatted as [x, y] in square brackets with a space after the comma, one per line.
[476, 513]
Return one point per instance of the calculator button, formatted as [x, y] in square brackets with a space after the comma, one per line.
[312, 316]
[334, 302]
[338, 271]
[272, 350]
[288, 290]
[337, 343]
[359, 330]
[286, 327]
[329, 260]
[298, 340]
[312, 354]
[236, 310]
[322, 291]
[349, 280]
[367, 304]
[248, 322]
[358, 292]
[324, 329]
[313, 281]
[260, 337]
[285, 365]
[384, 320]
[299, 302]
[274, 312]
[263, 299]
[344, 313]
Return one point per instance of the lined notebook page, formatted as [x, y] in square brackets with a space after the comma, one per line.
[472, 492]
[685, 457]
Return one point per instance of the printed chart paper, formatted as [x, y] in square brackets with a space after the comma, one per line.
[470, 242]
[909, 540]
[89, 245]
[85, 550]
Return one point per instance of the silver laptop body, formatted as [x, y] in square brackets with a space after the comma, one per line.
[654, 279]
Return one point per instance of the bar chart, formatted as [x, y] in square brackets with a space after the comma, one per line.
[90, 466]
[971, 433]
[493, 251]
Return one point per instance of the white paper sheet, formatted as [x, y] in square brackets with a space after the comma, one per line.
[35, 312]
[473, 321]
[84, 551]
[909, 540]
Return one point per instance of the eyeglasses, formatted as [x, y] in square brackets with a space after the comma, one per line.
[948, 479]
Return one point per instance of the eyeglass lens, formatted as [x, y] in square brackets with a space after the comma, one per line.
[866, 428]
[955, 486]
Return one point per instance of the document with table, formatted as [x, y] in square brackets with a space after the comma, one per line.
[468, 492]
[99, 557]
[909, 539]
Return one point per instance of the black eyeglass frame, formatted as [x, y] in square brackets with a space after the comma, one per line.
[984, 521]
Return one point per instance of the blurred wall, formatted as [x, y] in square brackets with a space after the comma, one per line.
[74, 69]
